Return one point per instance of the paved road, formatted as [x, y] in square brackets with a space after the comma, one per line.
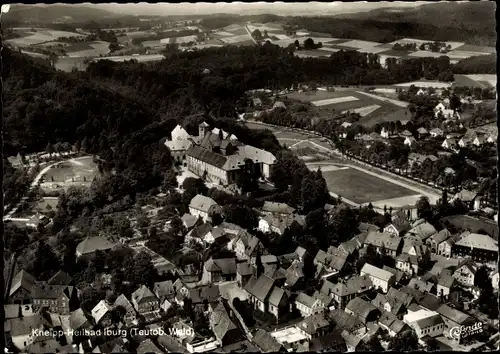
[250, 33]
[36, 182]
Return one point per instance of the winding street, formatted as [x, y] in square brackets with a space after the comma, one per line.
[36, 183]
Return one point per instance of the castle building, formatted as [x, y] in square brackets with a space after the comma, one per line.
[219, 156]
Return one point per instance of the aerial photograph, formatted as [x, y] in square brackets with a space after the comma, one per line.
[249, 177]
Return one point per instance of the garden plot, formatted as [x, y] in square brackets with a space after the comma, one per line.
[364, 111]
[336, 100]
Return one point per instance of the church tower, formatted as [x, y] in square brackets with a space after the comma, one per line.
[203, 129]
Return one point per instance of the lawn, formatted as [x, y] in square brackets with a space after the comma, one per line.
[361, 187]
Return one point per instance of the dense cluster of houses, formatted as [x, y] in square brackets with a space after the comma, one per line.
[345, 312]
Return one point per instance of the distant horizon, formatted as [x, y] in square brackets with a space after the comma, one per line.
[256, 8]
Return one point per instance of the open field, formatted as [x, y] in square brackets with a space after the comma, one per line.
[425, 54]
[361, 44]
[314, 53]
[474, 81]
[425, 84]
[489, 79]
[236, 39]
[361, 187]
[96, 49]
[477, 49]
[373, 109]
[331, 101]
[185, 39]
[40, 36]
[139, 58]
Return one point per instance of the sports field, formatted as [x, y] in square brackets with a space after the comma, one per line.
[82, 170]
[361, 187]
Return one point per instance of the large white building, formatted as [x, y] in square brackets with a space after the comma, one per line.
[220, 156]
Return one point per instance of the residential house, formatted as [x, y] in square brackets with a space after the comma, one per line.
[422, 132]
[333, 342]
[273, 208]
[481, 248]
[342, 293]
[164, 290]
[60, 278]
[396, 302]
[198, 233]
[435, 240]
[90, 245]
[102, 314]
[148, 347]
[450, 144]
[380, 278]
[25, 330]
[454, 319]
[445, 285]
[407, 263]
[300, 252]
[388, 242]
[129, 314]
[465, 273]
[201, 206]
[21, 288]
[425, 323]
[279, 223]
[225, 330]
[315, 326]
[200, 296]
[406, 133]
[309, 305]
[436, 132]
[266, 343]
[58, 299]
[410, 141]
[494, 279]
[384, 133]
[362, 309]
[216, 234]
[244, 245]
[144, 300]
[334, 260]
[392, 324]
[468, 198]
[217, 270]
[344, 321]
[445, 247]
[189, 221]
[17, 311]
[262, 295]
[420, 232]
[79, 322]
[295, 274]
[399, 224]
[269, 261]
[244, 272]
